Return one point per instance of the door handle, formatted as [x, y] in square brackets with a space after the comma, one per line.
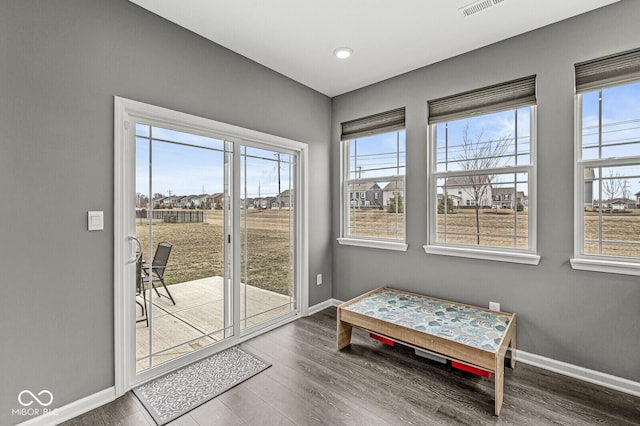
[138, 252]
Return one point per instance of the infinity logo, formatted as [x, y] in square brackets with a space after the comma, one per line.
[35, 398]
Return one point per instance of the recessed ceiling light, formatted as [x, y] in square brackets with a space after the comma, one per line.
[343, 52]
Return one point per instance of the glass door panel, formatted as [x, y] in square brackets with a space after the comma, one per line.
[182, 296]
[267, 233]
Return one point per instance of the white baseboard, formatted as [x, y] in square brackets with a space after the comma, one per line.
[73, 409]
[323, 305]
[592, 376]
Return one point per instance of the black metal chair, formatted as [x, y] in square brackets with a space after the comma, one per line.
[157, 269]
[140, 291]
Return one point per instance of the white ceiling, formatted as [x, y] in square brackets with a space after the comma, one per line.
[297, 37]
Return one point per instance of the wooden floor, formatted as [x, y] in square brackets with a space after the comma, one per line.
[368, 383]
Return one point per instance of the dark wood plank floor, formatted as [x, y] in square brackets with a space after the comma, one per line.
[368, 383]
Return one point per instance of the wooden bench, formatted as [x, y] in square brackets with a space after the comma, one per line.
[466, 334]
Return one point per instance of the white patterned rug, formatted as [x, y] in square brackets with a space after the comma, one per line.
[178, 392]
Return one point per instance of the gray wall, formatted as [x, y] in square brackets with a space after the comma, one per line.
[583, 318]
[61, 63]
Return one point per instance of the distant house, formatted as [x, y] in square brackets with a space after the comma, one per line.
[620, 204]
[188, 200]
[158, 201]
[390, 191]
[215, 200]
[173, 201]
[504, 198]
[201, 201]
[365, 195]
[264, 202]
[471, 190]
[283, 200]
[246, 203]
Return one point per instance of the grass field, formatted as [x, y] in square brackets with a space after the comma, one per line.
[496, 228]
[376, 223]
[198, 248]
[621, 227]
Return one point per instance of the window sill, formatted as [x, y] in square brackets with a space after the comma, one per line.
[385, 245]
[483, 254]
[608, 266]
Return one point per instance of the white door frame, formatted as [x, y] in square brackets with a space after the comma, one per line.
[125, 111]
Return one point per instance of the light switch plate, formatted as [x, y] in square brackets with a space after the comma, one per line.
[95, 220]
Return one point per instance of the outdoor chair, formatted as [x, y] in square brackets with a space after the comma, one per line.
[140, 291]
[157, 269]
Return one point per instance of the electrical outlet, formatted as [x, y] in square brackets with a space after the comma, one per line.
[494, 306]
[319, 279]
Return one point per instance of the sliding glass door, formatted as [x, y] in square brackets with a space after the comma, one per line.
[210, 238]
[183, 294]
[268, 235]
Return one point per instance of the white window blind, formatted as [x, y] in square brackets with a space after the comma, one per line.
[509, 95]
[613, 69]
[374, 124]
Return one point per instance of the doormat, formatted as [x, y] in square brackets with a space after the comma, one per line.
[174, 394]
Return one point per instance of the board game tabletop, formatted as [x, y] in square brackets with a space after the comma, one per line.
[471, 326]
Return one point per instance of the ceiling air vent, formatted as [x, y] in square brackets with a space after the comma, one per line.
[478, 6]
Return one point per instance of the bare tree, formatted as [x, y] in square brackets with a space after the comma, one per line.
[479, 154]
[612, 186]
[142, 201]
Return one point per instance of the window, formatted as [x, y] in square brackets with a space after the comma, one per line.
[608, 164]
[482, 146]
[373, 181]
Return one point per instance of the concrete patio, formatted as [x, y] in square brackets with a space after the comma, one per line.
[196, 319]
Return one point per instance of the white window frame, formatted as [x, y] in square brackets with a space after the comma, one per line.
[126, 112]
[527, 256]
[345, 206]
[580, 260]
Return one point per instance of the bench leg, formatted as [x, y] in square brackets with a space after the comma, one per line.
[344, 334]
[499, 379]
[512, 345]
